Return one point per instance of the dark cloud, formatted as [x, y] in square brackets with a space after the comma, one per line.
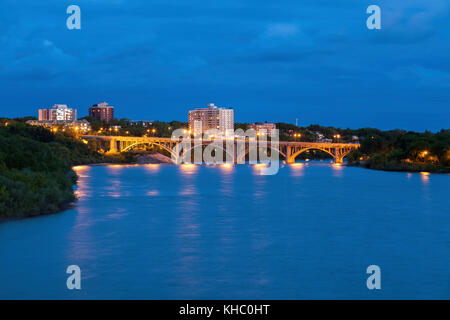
[272, 60]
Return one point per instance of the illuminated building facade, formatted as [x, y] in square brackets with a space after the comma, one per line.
[213, 117]
[265, 128]
[59, 112]
[102, 112]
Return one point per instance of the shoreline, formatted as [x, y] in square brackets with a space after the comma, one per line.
[11, 219]
[404, 168]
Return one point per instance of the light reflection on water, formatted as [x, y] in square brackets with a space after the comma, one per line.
[152, 167]
[82, 189]
[188, 230]
[338, 170]
[225, 231]
[188, 169]
[297, 169]
[425, 176]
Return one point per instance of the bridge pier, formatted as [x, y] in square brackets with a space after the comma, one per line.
[338, 156]
[290, 160]
[289, 152]
[113, 146]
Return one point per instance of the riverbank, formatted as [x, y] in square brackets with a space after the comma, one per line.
[36, 176]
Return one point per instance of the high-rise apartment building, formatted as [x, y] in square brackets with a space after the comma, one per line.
[102, 112]
[43, 115]
[212, 117]
[59, 112]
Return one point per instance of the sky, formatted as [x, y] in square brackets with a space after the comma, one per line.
[272, 60]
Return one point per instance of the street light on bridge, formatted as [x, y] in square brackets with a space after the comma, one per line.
[337, 137]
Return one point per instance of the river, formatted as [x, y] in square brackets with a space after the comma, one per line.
[227, 232]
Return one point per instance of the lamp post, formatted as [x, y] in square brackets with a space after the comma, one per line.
[297, 135]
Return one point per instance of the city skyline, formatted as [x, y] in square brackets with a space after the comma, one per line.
[313, 61]
[255, 120]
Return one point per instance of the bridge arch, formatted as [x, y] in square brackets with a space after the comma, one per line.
[162, 146]
[338, 156]
[241, 157]
[201, 145]
[294, 155]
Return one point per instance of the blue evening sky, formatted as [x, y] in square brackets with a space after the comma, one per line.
[275, 60]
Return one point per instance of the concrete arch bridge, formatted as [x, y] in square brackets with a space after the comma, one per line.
[236, 149]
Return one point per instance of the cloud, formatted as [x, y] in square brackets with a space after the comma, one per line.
[283, 30]
[411, 21]
[245, 52]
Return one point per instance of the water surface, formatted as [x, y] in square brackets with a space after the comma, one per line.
[222, 232]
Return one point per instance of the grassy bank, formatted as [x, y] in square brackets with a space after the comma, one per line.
[36, 175]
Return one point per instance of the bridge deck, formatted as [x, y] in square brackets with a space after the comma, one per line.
[208, 141]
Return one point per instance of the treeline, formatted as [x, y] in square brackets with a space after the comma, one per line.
[157, 128]
[36, 175]
[399, 150]
[395, 150]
